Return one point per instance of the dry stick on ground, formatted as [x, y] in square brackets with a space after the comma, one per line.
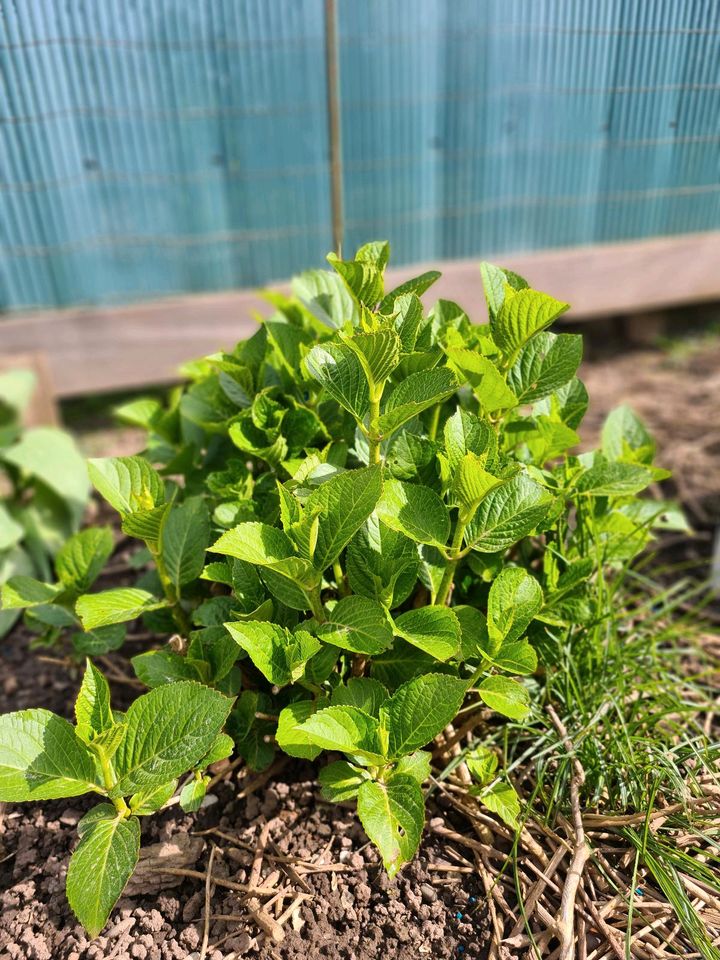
[566, 917]
[208, 895]
[267, 924]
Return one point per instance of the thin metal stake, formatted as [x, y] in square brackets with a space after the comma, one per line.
[334, 123]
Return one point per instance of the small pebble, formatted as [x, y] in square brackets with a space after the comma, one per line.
[428, 893]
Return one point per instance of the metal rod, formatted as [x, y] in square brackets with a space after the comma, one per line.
[334, 123]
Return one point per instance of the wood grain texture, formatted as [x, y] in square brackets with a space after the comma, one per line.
[96, 350]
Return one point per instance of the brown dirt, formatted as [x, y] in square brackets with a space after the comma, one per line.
[356, 913]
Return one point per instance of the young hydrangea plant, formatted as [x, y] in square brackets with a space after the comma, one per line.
[394, 524]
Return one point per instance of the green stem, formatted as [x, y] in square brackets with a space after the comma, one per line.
[178, 613]
[316, 605]
[109, 781]
[446, 583]
[434, 421]
[340, 579]
[374, 440]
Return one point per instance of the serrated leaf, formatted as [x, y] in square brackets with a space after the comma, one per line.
[404, 661]
[502, 800]
[420, 709]
[507, 514]
[413, 395]
[222, 747]
[363, 278]
[193, 794]
[567, 404]
[381, 563]
[472, 483]
[544, 365]
[415, 511]
[169, 730]
[359, 625]
[127, 483]
[95, 643]
[325, 296]
[365, 693]
[347, 729]
[52, 456]
[613, 479]
[278, 654]
[342, 504]
[523, 314]
[156, 667]
[378, 352]
[339, 371]
[100, 868]
[482, 764]
[415, 765]
[517, 657]
[149, 801]
[295, 742]
[145, 524]
[256, 543]
[625, 437]
[115, 606]
[434, 629]
[107, 742]
[393, 816]
[184, 538]
[416, 285]
[21, 593]
[81, 559]
[505, 696]
[465, 433]
[515, 598]
[340, 781]
[487, 382]
[41, 758]
[474, 640]
[93, 713]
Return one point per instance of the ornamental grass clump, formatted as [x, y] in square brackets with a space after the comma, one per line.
[358, 523]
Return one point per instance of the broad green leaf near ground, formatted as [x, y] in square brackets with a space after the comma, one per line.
[393, 814]
[434, 629]
[420, 709]
[359, 625]
[415, 511]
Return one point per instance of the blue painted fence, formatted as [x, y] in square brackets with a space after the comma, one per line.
[153, 147]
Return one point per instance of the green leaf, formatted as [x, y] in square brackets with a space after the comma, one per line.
[342, 504]
[21, 593]
[465, 433]
[515, 598]
[152, 799]
[505, 696]
[340, 781]
[402, 662]
[256, 543]
[494, 282]
[93, 713]
[222, 747]
[193, 794]
[326, 297]
[129, 484]
[365, 693]
[501, 799]
[338, 370]
[415, 765]
[413, 395]
[566, 405]
[507, 514]
[414, 510]
[378, 352]
[472, 483]
[523, 314]
[363, 278]
[545, 364]
[295, 742]
[169, 730]
[95, 643]
[290, 581]
[625, 437]
[488, 383]
[474, 641]
[518, 657]
[156, 667]
[184, 539]
[359, 625]
[107, 742]
[52, 456]
[482, 764]
[145, 524]
[115, 606]
[41, 758]
[434, 629]
[278, 654]
[346, 729]
[417, 286]
[11, 532]
[613, 479]
[100, 868]
[382, 564]
[81, 559]
[420, 709]
[393, 816]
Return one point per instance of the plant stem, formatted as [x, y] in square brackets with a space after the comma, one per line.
[109, 781]
[434, 421]
[374, 440]
[178, 614]
[443, 594]
[340, 579]
[316, 605]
